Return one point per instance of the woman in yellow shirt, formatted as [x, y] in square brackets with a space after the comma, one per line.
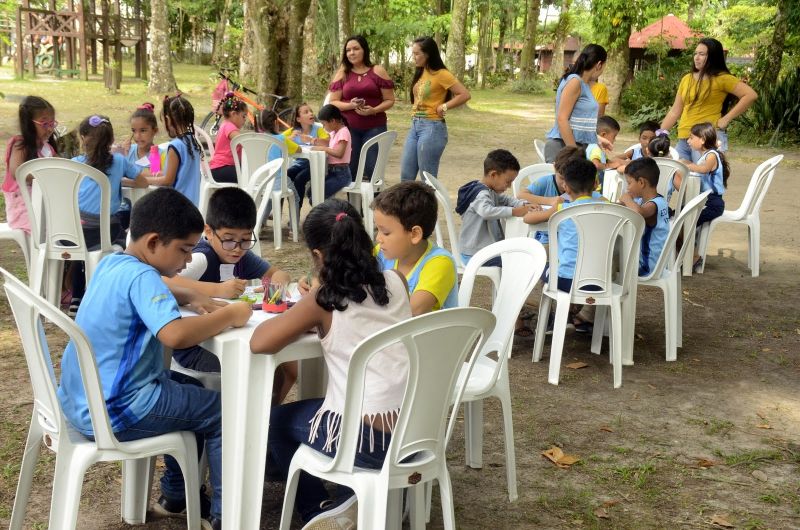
[434, 90]
[704, 95]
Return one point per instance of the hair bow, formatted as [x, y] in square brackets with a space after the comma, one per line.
[662, 132]
[96, 120]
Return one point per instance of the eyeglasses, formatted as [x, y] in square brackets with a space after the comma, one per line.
[47, 124]
[230, 244]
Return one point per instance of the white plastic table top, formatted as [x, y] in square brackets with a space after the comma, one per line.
[317, 161]
[247, 381]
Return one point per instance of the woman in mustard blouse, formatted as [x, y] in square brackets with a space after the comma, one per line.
[705, 95]
[434, 90]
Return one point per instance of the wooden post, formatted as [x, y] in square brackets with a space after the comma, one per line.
[82, 42]
[93, 39]
[20, 66]
[105, 35]
[31, 50]
[137, 53]
[118, 47]
[56, 44]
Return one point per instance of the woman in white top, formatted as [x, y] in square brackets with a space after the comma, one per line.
[353, 300]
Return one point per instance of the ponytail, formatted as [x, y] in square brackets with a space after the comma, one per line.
[588, 58]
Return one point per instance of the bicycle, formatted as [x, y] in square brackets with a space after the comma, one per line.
[226, 84]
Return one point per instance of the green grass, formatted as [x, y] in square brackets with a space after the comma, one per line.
[752, 458]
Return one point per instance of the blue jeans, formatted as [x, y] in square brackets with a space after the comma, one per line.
[423, 149]
[289, 427]
[359, 137]
[687, 153]
[184, 406]
[336, 178]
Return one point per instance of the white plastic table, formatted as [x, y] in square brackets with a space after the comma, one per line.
[247, 381]
[317, 162]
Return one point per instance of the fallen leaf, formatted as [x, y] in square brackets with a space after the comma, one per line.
[577, 365]
[652, 387]
[557, 456]
[606, 428]
[761, 415]
[766, 349]
[760, 475]
[609, 504]
[764, 426]
[705, 463]
[601, 513]
[721, 520]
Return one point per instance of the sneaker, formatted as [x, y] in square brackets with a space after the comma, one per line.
[177, 507]
[583, 327]
[341, 517]
[74, 304]
[211, 523]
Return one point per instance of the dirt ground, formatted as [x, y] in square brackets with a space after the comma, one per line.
[709, 441]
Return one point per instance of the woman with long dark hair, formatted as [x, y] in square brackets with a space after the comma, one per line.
[363, 92]
[434, 90]
[576, 106]
[705, 95]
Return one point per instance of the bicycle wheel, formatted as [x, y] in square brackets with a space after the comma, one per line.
[286, 116]
[210, 124]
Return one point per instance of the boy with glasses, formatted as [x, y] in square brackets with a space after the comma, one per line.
[222, 262]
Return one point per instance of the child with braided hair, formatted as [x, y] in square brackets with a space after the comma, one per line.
[234, 112]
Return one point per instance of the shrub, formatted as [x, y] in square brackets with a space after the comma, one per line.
[775, 115]
[650, 95]
[536, 86]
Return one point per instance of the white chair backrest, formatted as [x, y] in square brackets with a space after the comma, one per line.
[444, 201]
[669, 260]
[58, 226]
[598, 225]
[523, 260]
[28, 309]
[204, 140]
[384, 141]
[437, 344]
[673, 153]
[255, 149]
[262, 182]
[530, 173]
[757, 189]
[613, 185]
[667, 169]
[538, 145]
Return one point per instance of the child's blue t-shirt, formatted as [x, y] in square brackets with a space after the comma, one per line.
[568, 239]
[636, 152]
[124, 308]
[654, 237]
[713, 180]
[544, 186]
[89, 192]
[187, 179]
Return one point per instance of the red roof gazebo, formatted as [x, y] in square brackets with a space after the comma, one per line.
[675, 32]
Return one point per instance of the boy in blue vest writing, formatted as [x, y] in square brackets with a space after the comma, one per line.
[222, 262]
[405, 216]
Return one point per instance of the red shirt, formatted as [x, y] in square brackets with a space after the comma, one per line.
[368, 86]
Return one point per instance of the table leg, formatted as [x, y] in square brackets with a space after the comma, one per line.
[317, 166]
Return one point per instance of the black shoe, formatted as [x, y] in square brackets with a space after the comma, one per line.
[211, 523]
[177, 507]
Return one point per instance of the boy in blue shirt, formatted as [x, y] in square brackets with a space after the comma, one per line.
[127, 314]
[222, 262]
[642, 176]
[405, 216]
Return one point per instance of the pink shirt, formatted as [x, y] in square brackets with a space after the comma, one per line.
[342, 135]
[222, 150]
[10, 181]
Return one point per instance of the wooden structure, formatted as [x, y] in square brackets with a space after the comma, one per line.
[674, 32]
[79, 32]
[544, 54]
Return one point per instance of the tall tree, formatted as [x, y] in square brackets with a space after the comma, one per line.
[527, 67]
[457, 40]
[559, 36]
[343, 17]
[162, 80]
[248, 60]
[484, 41]
[297, 16]
[219, 32]
[770, 57]
[311, 64]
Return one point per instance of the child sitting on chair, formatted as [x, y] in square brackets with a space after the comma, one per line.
[405, 216]
[482, 205]
[642, 197]
[222, 263]
[127, 314]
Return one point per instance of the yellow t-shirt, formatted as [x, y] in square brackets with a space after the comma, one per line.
[709, 107]
[600, 93]
[293, 137]
[437, 277]
[430, 91]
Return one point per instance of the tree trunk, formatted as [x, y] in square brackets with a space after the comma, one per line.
[343, 18]
[527, 67]
[456, 42]
[298, 13]
[438, 9]
[484, 42]
[162, 81]
[311, 64]
[248, 58]
[500, 58]
[217, 54]
[560, 35]
[772, 55]
[615, 75]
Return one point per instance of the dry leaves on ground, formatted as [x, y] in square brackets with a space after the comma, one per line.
[577, 365]
[557, 456]
[721, 521]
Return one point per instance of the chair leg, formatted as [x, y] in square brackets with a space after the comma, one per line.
[599, 329]
[29, 459]
[754, 252]
[276, 220]
[670, 319]
[678, 310]
[293, 217]
[187, 460]
[289, 496]
[67, 484]
[446, 494]
[508, 431]
[417, 501]
[137, 481]
[394, 510]
[541, 328]
[559, 330]
[473, 433]
[616, 342]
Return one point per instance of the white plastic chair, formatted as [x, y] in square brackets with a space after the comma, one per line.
[748, 213]
[673, 153]
[613, 185]
[493, 273]
[255, 149]
[366, 188]
[524, 260]
[20, 238]
[666, 275]
[58, 235]
[667, 168]
[204, 139]
[528, 174]
[599, 225]
[263, 193]
[437, 344]
[538, 145]
[74, 452]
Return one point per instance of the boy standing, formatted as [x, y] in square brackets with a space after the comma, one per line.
[128, 312]
[608, 128]
[482, 205]
[222, 262]
[642, 197]
[405, 216]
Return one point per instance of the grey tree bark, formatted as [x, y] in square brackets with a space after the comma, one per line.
[527, 68]
[456, 42]
[162, 80]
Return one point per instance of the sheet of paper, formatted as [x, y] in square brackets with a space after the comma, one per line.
[226, 272]
[143, 162]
